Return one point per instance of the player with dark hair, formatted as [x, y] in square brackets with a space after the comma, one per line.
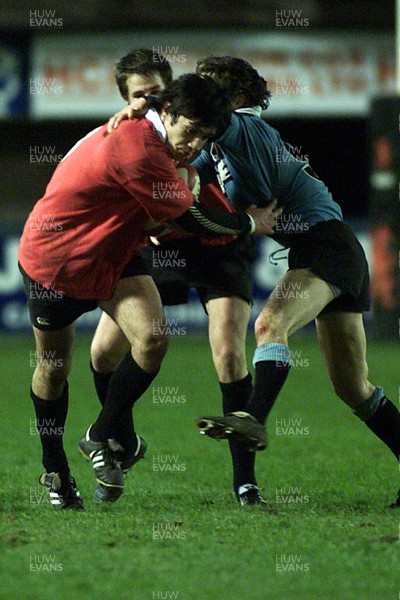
[220, 271]
[101, 197]
[238, 79]
[326, 263]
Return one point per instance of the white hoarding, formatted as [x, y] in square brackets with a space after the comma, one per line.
[309, 74]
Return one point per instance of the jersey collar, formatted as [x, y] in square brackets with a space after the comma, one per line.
[255, 111]
[153, 116]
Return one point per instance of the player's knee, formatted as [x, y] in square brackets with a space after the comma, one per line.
[268, 327]
[103, 359]
[153, 345]
[53, 371]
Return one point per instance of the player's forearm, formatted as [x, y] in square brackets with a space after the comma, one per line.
[209, 221]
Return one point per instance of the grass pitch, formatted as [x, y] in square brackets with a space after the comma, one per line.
[177, 532]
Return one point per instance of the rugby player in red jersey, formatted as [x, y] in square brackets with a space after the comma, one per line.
[220, 269]
[99, 201]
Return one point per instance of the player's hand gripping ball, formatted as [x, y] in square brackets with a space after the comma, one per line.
[191, 177]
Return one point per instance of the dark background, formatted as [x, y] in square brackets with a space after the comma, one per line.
[338, 148]
[338, 151]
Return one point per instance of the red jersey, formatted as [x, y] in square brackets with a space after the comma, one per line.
[81, 234]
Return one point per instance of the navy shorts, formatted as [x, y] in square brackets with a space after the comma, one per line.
[331, 250]
[214, 271]
[50, 310]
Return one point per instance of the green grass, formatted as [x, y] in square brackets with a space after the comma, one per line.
[344, 539]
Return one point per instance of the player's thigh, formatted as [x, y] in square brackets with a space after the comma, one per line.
[109, 345]
[54, 350]
[297, 299]
[342, 339]
[135, 307]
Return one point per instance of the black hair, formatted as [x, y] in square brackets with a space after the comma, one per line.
[141, 61]
[199, 99]
[236, 76]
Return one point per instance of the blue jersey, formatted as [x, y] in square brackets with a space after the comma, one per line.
[253, 166]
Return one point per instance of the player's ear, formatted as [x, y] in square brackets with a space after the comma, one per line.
[164, 111]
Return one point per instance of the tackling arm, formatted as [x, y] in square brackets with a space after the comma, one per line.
[209, 221]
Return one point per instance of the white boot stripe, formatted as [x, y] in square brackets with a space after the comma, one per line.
[138, 445]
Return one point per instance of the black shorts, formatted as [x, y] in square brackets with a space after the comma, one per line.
[50, 310]
[214, 271]
[331, 250]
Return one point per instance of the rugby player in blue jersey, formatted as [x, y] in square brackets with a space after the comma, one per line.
[326, 263]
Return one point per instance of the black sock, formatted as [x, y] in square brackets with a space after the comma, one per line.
[385, 423]
[127, 384]
[101, 383]
[269, 379]
[50, 421]
[235, 395]
[125, 432]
